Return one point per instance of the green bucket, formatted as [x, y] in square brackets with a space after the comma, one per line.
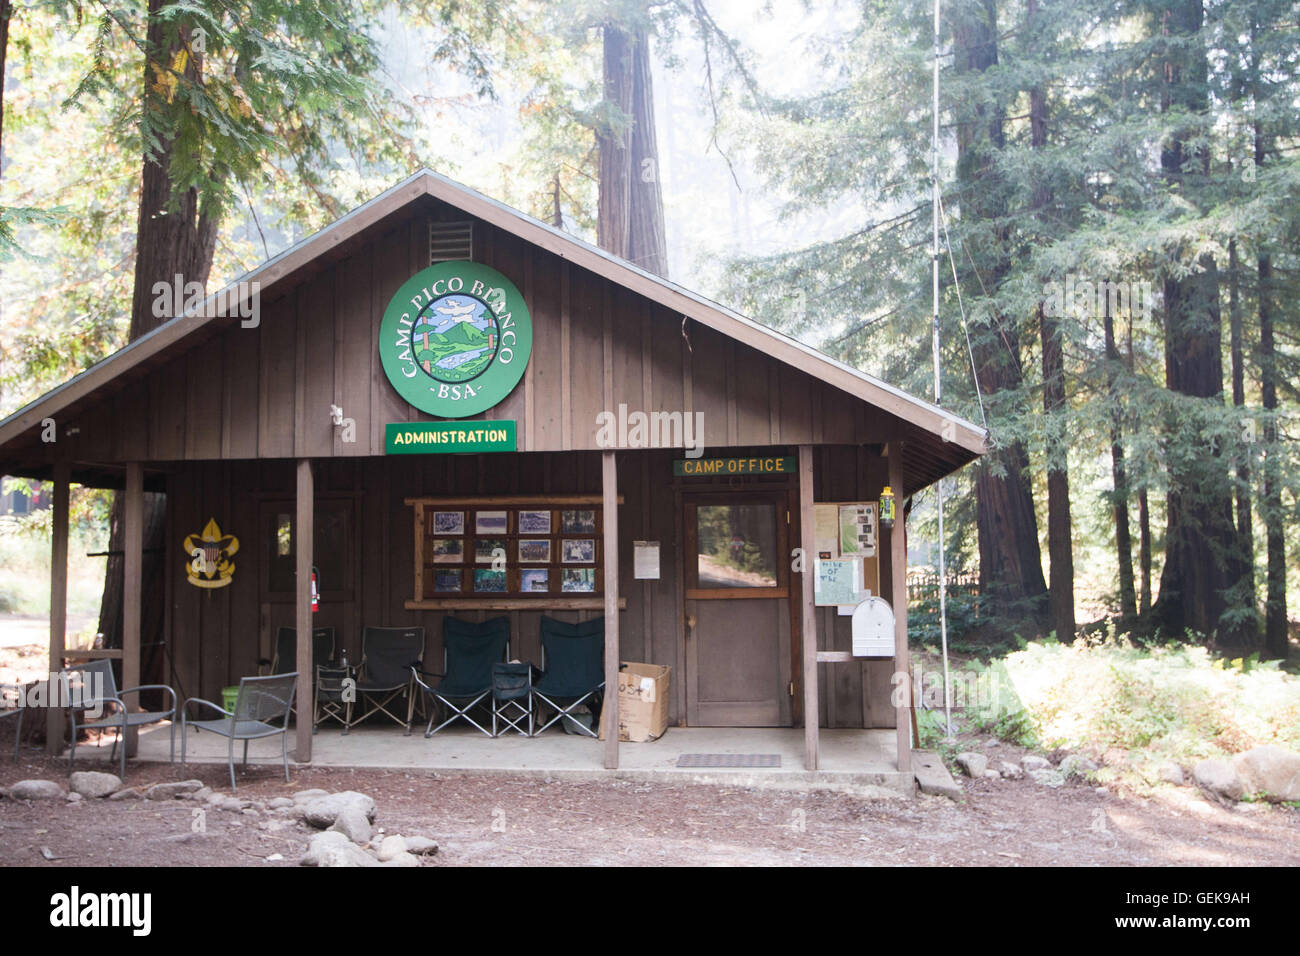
[228, 697]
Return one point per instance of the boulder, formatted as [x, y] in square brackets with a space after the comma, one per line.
[1047, 777]
[280, 803]
[1218, 777]
[323, 811]
[1009, 770]
[130, 793]
[1032, 763]
[331, 848]
[170, 791]
[992, 775]
[421, 846]
[75, 798]
[1269, 771]
[203, 794]
[390, 847]
[306, 796]
[972, 764]
[352, 823]
[1170, 772]
[403, 859]
[92, 783]
[37, 790]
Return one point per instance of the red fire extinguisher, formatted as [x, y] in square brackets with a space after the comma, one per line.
[315, 589]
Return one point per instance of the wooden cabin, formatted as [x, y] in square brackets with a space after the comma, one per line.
[372, 410]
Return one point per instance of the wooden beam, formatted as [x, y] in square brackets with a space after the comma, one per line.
[609, 485]
[540, 501]
[898, 598]
[54, 719]
[541, 603]
[807, 541]
[132, 584]
[304, 546]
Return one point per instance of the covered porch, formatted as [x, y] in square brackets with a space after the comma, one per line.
[849, 759]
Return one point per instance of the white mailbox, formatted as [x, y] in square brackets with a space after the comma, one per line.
[873, 628]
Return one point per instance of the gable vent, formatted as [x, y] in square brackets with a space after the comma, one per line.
[450, 240]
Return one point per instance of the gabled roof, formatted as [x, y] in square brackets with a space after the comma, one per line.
[950, 432]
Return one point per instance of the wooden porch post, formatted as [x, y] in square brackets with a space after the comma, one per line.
[609, 505]
[898, 598]
[132, 580]
[303, 549]
[54, 721]
[807, 580]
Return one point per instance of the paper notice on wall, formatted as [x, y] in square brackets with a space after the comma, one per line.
[645, 560]
[826, 531]
[838, 582]
[857, 530]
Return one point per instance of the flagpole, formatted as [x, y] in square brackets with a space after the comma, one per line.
[938, 385]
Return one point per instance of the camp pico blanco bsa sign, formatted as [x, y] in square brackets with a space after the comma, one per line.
[455, 339]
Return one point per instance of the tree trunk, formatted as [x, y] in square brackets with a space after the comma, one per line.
[171, 240]
[1011, 568]
[613, 140]
[630, 219]
[1060, 544]
[646, 242]
[1200, 539]
[1123, 536]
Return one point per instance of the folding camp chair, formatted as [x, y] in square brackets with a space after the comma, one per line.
[92, 686]
[573, 664]
[284, 656]
[332, 702]
[388, 657]
[512, 698]
[469, 650]
[262, 701]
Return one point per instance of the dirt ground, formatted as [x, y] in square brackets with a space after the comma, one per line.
[494, 820]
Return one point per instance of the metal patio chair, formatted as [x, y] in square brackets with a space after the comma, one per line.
[92, 686]
[512, 698]
[573, 665]
[262, 701]
[389, 657]
[469, 650]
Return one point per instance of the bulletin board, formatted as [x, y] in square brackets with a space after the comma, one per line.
[846, 536]
[508, 553]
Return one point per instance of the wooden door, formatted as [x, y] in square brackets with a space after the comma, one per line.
[736, 565]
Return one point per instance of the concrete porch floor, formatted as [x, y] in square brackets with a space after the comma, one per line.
[850, 759]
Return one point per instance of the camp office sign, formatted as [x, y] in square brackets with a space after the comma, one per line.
[710, 467]
[455, 339]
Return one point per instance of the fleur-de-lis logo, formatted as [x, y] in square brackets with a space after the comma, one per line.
[208, 557]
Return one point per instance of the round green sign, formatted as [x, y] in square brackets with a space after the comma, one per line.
[455, 339]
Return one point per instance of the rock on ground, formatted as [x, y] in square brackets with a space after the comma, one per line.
[93, 783]
[421, 846]
[972, 764]
[130, 793]
[390, 847]
[1074, 765]
[1218, 777]
[323, 811]
[1269, 771]
[1010, 771]
[280, 803]
[331, 848]
[306, 796]
[1170, 772]
[1032, 763]
[352, 823]
[170, 791]
[402, 859]
[37, 790]
[1047, 777]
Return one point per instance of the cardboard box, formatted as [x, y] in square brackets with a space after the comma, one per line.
[642, 702]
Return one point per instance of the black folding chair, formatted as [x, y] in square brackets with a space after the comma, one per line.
[573, 665]
[388, 657]
[284, 656]
[512, 698]
[469, 650]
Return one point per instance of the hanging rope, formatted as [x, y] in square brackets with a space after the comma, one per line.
[962, 306]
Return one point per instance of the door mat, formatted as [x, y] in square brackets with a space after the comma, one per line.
[729, 760]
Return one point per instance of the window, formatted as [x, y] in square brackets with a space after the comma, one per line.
[735, 547]
[332, 549]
